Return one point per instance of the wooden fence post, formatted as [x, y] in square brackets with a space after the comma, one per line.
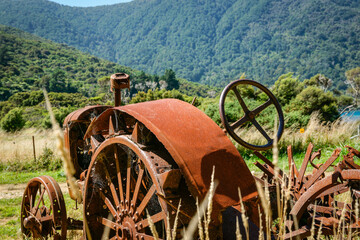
[33, 140]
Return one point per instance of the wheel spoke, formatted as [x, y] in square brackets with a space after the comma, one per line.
[155, 218]
[239, 122]
[138, 184]
[145, 200]
[106, 222]
[241, 101]
[112, 188]
[46, 218]
[128, 180]
[109, 205]
[261, 108]
[40, 200]
[119, 174]
[261, 130]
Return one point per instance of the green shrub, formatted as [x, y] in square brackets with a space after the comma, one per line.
[286, 88]
[13, 120]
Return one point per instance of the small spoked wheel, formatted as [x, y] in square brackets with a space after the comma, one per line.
[249, 115]
[43, 212]
[121, 192]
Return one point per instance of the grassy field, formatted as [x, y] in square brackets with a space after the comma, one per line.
[18, 166]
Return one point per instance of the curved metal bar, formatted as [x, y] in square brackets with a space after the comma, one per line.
[312, 193]
[350, 174]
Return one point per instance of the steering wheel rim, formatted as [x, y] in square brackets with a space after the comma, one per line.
[250, 115]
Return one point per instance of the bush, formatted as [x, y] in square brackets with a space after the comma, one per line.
[60, 115]
[13, 120]
[313, 99]
[286, 88]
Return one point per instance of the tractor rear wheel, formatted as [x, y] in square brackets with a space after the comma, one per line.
[121, 193]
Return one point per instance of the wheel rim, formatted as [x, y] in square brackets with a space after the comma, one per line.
[43, 211]
[250, 115]
[120, 191]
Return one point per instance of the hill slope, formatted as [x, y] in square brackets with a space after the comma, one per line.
[29, 63]
[210, 41]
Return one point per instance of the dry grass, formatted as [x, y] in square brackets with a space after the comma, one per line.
[319, 133]
[19, 145]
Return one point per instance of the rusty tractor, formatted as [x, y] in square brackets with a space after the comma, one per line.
[139, 160]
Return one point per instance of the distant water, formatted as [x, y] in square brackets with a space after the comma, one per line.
[352, 116]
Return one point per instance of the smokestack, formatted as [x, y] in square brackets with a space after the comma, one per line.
[119, 81]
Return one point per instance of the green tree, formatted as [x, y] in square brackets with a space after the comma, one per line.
[170, 78]
[286, 88]
[353, 80]
[313, 99]
[58, 81]
[4, 56]
[13, 120]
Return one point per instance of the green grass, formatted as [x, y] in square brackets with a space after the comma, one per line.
[23, 177]
[10, 216]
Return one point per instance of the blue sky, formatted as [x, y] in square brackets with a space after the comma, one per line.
[88, 3]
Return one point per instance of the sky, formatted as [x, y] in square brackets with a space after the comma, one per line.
[88, 3]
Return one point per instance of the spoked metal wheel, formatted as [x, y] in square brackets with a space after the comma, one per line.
[121, 192]
[43, 211]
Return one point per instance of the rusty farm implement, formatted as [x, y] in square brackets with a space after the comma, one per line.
[140, 160]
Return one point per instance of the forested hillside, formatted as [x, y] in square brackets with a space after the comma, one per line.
[29, 63]
[73, 79]
[210, 41]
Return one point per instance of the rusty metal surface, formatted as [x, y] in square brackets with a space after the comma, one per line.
[119, 81]
[83, 113]
[314, 195]
[197, 144]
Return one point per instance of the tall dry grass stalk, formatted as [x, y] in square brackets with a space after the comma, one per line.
[200, 227]
[261, 229]
[63, 152]
[244, 218]
[173, 232]
[238, 233]
[152, 226]
[265, 203]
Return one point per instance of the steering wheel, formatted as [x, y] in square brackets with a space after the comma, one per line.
[250, 115]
